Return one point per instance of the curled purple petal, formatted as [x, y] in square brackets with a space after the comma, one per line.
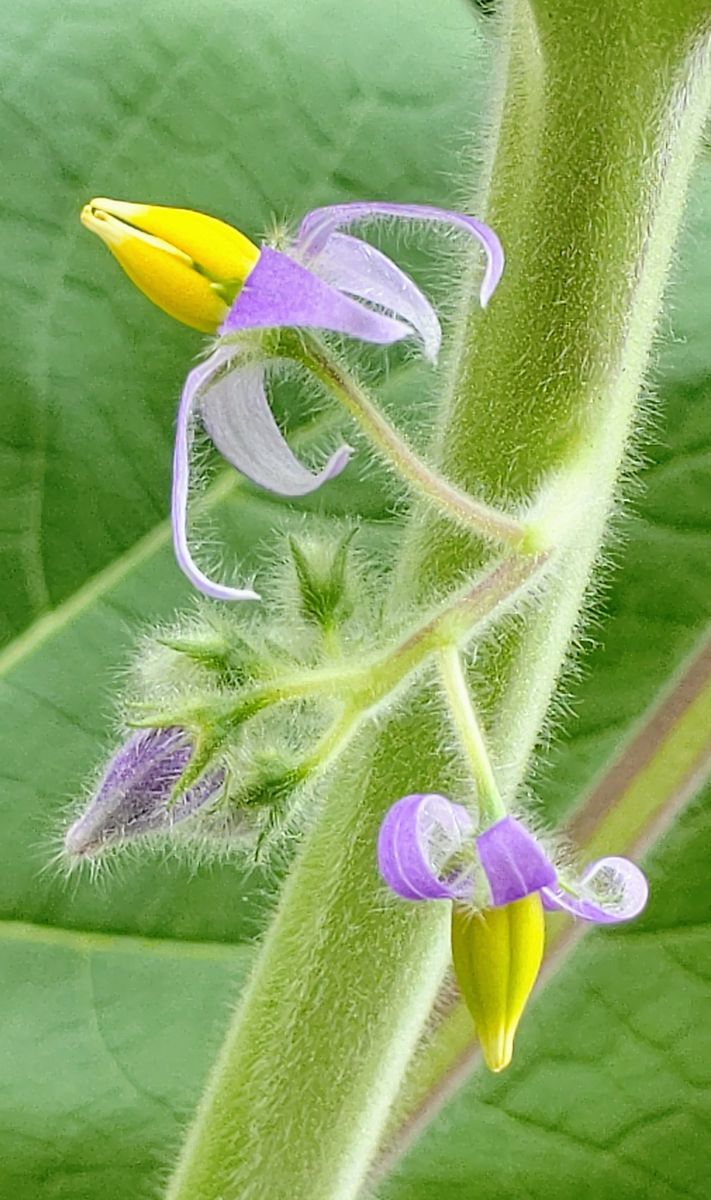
[354, 266]
[280, 293]
[195, 382]
[133, 798]
[514, 863]
[321, 223]
[417, 839]
[237, 416]
[611, 890]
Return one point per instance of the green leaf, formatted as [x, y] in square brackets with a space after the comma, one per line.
[104, 1039]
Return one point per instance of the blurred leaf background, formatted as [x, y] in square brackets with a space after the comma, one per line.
[114, 996]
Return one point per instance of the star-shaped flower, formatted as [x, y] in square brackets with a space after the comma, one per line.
[209, 276]
[500, 881]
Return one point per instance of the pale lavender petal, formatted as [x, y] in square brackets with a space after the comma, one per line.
[611, 890]
[356, 267]
[417, 839]
[320, 224]
[195, 381]
[134, 797]
[281, 293]
[237, 416]
[514, 863]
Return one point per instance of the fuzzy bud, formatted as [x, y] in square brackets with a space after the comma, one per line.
[135, 795]
[322, 579]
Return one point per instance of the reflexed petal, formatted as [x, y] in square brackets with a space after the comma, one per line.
[320, 224]
[281, 293]
[237, 416]
[356, 267]
[612, 889]
[417, 839]
[133, 798]
[514, 863]
[195, 381]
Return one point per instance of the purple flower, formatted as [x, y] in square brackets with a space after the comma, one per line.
[426, 852]
[324, 279]
[422, 834]
[134, 797]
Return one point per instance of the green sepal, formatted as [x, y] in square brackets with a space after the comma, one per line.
[322, 577]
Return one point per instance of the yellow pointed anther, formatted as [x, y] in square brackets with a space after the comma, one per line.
[190, 265]
[497, 955]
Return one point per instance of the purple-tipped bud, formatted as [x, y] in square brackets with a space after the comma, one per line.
[133, 798]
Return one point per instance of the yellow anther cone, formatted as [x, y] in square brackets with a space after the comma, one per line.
[189, 264]
[497, 955]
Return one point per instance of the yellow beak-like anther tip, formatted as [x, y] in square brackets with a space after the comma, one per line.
[189, 264]
[497, 955]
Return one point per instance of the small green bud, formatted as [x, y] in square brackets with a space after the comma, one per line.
[271, 781]
[322, 578]
[211, 653]
[234, 661]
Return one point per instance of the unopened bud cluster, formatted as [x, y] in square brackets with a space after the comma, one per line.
[216, 747]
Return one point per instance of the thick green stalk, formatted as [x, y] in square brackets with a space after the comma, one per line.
[602, 109]
[305, 1080]
[599, 124]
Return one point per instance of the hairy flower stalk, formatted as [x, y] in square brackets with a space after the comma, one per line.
[360, 686]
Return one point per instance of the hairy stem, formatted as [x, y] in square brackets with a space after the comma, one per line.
[363, 684]
[489, 802]
[601, 111]
[480, 519]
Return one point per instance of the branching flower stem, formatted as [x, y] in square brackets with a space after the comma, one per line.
[367, 684]
[362, 687]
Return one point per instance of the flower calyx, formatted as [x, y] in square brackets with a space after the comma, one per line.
[322, 573]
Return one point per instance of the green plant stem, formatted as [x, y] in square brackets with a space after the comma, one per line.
[489, 802]
[601, 112]
[242, 1143]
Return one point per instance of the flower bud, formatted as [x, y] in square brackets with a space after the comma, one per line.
[190, 265]
[322, 579]
[135, 795]
[497, 955]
